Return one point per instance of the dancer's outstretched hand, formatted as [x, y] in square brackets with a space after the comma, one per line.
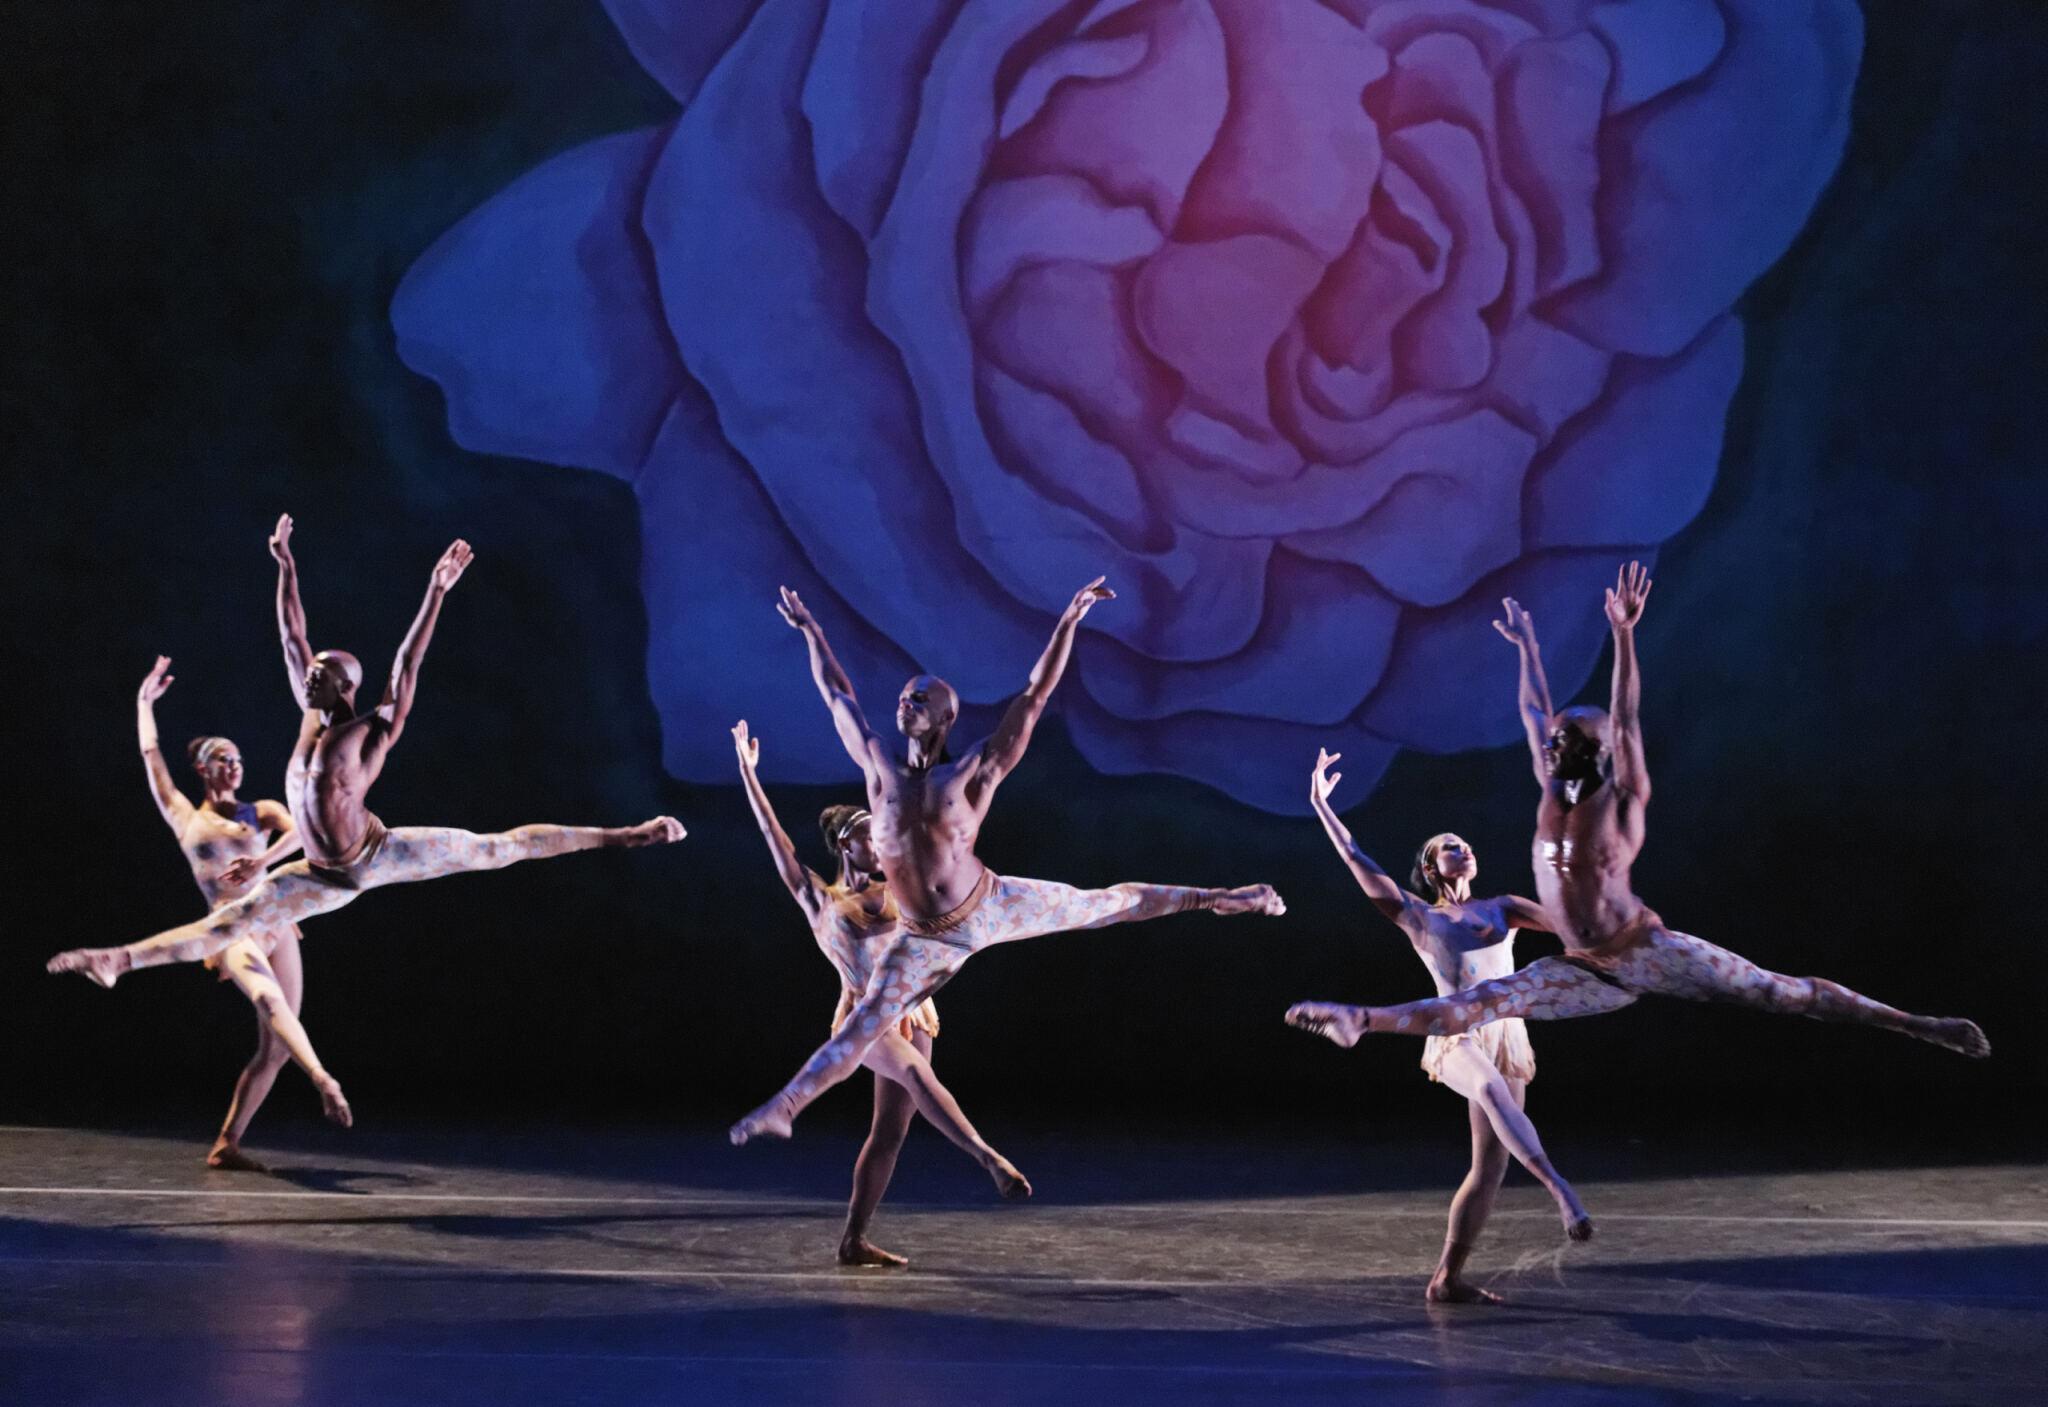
[1323, 781]
[747, 746]
[792, 609]
[454, 562]
[1088, 595]
[242, 873]
[1626, 598]
[160, 678]
[1519, 629]
[924, 1017]
[281, 538]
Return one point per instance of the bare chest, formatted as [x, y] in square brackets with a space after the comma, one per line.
[1575, 840]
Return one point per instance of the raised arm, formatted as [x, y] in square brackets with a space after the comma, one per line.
[1004, 748]
[1388, 897]
[291, 613]
[405, 671]
[173, 805]
[1533, 690]
[1625, 601]
[801, 883]
[837, 690]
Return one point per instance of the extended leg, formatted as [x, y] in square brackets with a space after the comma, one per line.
[1470, 1207]
[414, 853]
[1549, 989]
[288, 895]
[261, 1072]
[894, 1109]
[1029, 908]
[1679, 965]
[897, 1059]
[1470, 1073]
[251, 971]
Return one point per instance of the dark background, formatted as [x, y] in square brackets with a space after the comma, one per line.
[214, 202]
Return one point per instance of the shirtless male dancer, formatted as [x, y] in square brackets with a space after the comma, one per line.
[1589, 830]
[1462, 940]
[339, 756]
[854, 921]
[223, 840]
[928, 812]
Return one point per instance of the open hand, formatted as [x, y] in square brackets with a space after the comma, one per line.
[1625, 599]
[1087, 596]
[454, 562]
[160, 678]
[792, 609]
[1323, 781]
[281, 539]
[747, 746]
[242, 873]
[1519, 629]
[923, 1017]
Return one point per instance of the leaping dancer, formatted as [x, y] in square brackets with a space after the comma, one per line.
[1589, 830]
[855, 923]
[224, 842]
[1462, 940]
[338, 757]
[928, 811]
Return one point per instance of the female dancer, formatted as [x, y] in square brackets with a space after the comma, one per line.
[223, 841]
[855, 922]
[1462, 940]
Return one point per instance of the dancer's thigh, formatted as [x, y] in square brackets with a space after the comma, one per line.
[287, 895]
[413, 853]
[1555, 989]
[1680, 965]
[1466, 1069]
[1031, 908]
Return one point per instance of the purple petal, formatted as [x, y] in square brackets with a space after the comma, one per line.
[860, 98]
[538, 316]
[678, 41]
[1638, 467]
[1704, 189]
[1657, 45]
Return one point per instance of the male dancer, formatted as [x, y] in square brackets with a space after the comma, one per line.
[928, 812]
[1589, 830]
[855, 923]
[339, 755]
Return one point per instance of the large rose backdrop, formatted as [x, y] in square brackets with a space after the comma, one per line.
[1315, 325]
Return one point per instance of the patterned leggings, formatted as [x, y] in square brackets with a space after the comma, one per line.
[1662, 963]
[914, 968]
[298, 891]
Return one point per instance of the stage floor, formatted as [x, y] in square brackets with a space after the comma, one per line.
[413, 1268]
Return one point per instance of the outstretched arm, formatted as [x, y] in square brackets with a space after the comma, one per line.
[405, 672]
[1625, 601]
[171, 804]
[1525, 913]
[1004, 748]
[291, 613]
[800, 882]
[1533, 690]
[854, 734]
[1388, 897]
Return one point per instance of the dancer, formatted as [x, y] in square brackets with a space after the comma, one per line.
[1462, 940]
[339, 755]
[854, 920]
[223, 840]
[928, 812]
[1589, 829]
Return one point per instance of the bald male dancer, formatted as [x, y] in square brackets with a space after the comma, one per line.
[339, 755]
[1589, 830]
[927, 815]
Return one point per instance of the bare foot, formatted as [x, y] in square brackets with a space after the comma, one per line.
[1579, 1228]
[1962, 1037]
[229, 1157]
[1251, 899]
[858, 1250]
[771, 1120]
[662, 830]
[1342, 1024]
[1014, 1186]
[102, 965]
[332, 1104]
[1445, 1290]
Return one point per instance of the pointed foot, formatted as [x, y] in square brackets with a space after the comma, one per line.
[1331, 1020]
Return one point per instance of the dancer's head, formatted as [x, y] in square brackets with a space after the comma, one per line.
[1577, 744]
[846, 831]
[218, 763]
[332, 680]
[1442, 861]
[925, 711]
